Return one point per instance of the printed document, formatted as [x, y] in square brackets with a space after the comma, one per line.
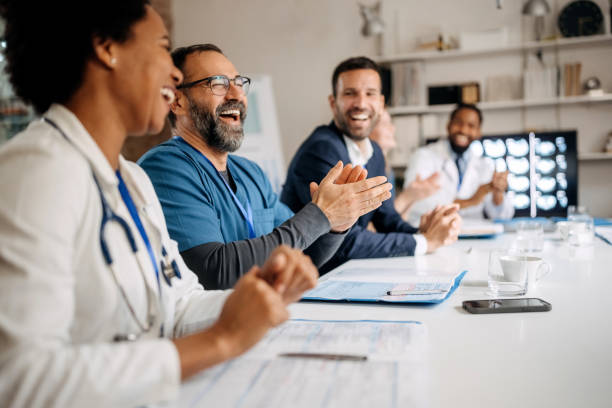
[393, 372]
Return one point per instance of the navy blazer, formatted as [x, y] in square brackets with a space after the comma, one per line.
[313, 160]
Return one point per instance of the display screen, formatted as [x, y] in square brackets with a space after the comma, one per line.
[542, 169]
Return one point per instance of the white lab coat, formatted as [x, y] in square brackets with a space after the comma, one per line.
[59, 305]
[437, 157]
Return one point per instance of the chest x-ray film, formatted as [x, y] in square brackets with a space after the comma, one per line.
[542, 170]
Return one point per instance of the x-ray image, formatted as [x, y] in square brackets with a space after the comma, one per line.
[561, 145]
[545, 148]
[517, 166]
[543, 180]
[520, 184]
[562, 198]
[546, 184]
[562, 181]
[476, 148]
[521, 201]
[545, 166]
[517, 147]
[494, 148]
[561, 162]
[546, 202]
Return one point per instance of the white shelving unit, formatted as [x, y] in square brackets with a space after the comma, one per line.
[437, 57]
[532, 45]
[515, 104]
[594, 156]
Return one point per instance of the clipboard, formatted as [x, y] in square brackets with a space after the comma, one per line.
[333, 290]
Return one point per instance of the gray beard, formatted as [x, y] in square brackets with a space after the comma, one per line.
[214, 132]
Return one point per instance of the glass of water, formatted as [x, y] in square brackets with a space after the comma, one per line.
[580, 226]
[529, 237]
[508, 273]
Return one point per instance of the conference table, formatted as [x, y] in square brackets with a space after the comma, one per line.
[560, 358]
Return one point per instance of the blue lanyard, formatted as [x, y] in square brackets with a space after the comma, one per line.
[129, 203]
[459, 172]
[247, 213]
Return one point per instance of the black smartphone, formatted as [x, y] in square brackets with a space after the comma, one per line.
[506, 305]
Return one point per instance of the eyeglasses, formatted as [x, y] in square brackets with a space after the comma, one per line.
[219, 84]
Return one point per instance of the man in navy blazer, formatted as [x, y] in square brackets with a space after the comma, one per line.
[356, 103]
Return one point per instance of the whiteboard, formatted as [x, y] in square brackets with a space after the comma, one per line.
[262, 141]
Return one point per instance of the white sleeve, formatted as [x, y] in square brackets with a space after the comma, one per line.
[421, 244]
[504, 211]
[194, 307]
[41, 207]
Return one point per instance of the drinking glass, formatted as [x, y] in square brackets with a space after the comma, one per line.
[508, 273]
[529, 237]
[580, 226]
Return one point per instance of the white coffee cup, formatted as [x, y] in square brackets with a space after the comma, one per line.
[536, 267]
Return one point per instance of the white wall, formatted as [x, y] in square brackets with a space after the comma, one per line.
[299, 42]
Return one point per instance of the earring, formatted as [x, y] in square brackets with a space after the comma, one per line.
[113, 61]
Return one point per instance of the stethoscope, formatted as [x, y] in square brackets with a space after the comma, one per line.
[168, 267]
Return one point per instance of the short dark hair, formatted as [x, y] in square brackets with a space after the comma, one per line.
[470, 106]
[48, 43]
[179, 56]
[352, 64]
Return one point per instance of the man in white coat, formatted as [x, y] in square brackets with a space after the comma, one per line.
[466, 177]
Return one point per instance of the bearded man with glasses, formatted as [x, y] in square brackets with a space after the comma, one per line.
[220, 207]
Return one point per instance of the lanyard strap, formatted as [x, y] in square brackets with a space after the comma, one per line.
[247, 213]
[458, 160]
[129, 203]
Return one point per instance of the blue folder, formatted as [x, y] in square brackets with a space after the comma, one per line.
[371, 292]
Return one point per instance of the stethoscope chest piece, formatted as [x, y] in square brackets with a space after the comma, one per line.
[169, 267]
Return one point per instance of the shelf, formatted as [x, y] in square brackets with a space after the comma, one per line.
[516, 104]
[532, 45]
[592, 156]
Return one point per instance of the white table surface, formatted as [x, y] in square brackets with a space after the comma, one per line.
[561, 358]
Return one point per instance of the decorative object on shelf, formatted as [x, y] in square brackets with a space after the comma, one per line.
[372, 23]
[538, 9]
[450, 94]
[570, 82]
[503, 88]
[407, 86]
[580, 18]
[592, 87]
[437, 42]
[540, 82]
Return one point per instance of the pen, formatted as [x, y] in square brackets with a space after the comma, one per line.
[325, 356]
[415, 292]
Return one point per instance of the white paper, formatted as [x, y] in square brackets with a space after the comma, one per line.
[605, 233]
[393, 376]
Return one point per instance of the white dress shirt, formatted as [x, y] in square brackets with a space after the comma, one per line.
[361, 158]
[478, 170]
[59, 305]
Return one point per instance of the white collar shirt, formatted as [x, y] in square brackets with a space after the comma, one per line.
[357, 156]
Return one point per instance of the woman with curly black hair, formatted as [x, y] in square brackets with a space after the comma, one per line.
[96, 305]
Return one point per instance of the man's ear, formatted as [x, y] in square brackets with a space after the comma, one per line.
[105, 51]
[180, 106]
[332, 102]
